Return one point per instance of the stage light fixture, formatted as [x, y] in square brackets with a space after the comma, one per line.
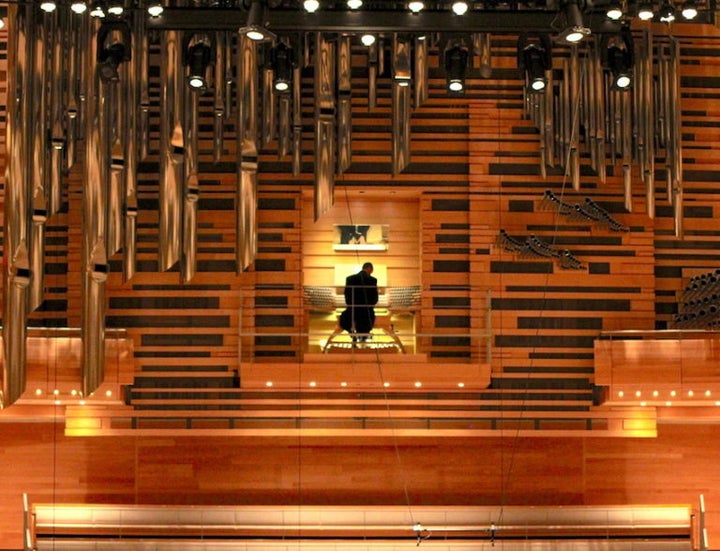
[576, 30]
[197, 59]
[48, 6]
[78, 6]
[460, 7]
[645, 12]
[155, 8]
[614, 11]
[354, 4]
[618, 58]
[115, 8]
[97, 10]
[111, 54]
[689, 10]
[416, 6]
[535, 57]
[282, 60]
[367, 39]
[311, 6]
[456, 60]
[666, 13]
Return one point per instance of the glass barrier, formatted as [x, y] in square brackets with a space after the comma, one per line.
[450, 324]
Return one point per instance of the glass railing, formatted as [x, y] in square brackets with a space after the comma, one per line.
[451, 324]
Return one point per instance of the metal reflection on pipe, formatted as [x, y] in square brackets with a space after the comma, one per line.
[94, 265]
[38, 159]
[297, 123]
[16, 267]
[574, 118]
[191, 193]
[246, 205]
[401, 61]
[483, 53]
[324, 125]
[421, 71]
[647, 102]
[267, 113]
[675, 143]
[172, 150]
[344, 107]
[372, 75]
[142, 57]
[56, 98]
[219, 109]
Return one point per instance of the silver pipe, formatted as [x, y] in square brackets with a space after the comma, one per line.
[483, 53]
[421, 71]
[38, 158]
[627, 149]
[372, 76]
[267, 113]
[141, 49]
[401, 61]
[191, 194]
[16, 272]
[344, 104]
[230, 83]
[57, 97]
[600, 124]
[676, 139]
[94, 272]
[219, 109]
[574, 117]
[247, 163]
[324, 125]
[72, 101]
[172, 151]
[297, 123]
[648, 102]
[549, 121]
[133, 143]
[284, 125]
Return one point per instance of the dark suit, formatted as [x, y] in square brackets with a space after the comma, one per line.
[361, 294]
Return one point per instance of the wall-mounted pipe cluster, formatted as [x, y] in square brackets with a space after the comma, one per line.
[621, 127]
[588, 210]
[533, 247]
[699, 305]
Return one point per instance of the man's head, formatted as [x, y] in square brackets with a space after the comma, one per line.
[368, 267]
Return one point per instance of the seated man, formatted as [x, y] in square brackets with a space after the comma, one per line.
[361, 294]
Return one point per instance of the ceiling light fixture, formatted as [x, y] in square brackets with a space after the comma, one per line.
[619, 58]
[155, 8]
[354, 4]
[535, 57]
[282, 60]
[367, 39]
[576, 29]
[614, 11]
[460, 7]
[78, 6]
[689, 10]
[48, 6]
[256, 25]
[416, 6]
[645, 12]
[666, 13]
[97, 10]
[456, 60]
[311, 6]
[197, 59]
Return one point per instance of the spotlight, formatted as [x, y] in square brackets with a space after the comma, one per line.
[110, 54]
[645, 11]
[456, 59]
[155, 8]
[535, 58]
[619, 58]
[311, 6]
[97, 10]
[282, 59]
[48, 6]
[197, 58]
[254, 28]
[666, 13]
[115, 8]
[78, 6]
[460, 7]
[416, 6]
[367, 39]
[576, 29]
[614, 11]
[354, 4]
[689, 10]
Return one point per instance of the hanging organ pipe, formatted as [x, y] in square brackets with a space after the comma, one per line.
[58, 97]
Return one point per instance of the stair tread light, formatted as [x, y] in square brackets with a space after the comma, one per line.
[311, 6]
[460, 7]
[416, 6]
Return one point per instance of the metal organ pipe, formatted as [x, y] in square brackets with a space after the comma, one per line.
[16, 266]
[325, 112]
[344, 104]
